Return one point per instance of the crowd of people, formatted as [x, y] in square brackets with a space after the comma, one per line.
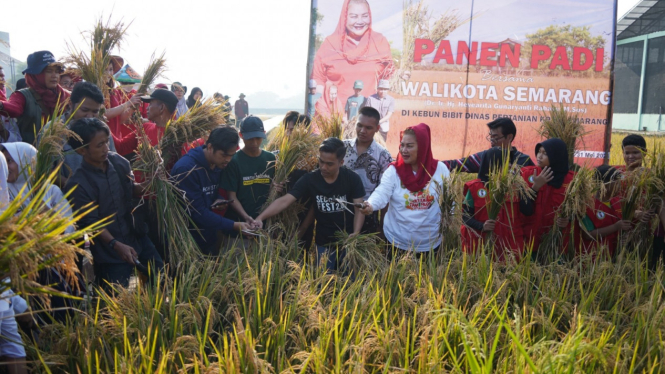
[358, 187]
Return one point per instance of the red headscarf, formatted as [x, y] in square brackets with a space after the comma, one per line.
[427, 163]
[326, 107]
[49, 96]
[339, 41]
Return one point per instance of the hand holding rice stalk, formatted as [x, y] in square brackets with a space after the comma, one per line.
[51, 140]
[580, 195]
[197, 123]
[565, 126]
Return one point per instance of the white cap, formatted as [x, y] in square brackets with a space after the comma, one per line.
[312, 83]
[384, 84]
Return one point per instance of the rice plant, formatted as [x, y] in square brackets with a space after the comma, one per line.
[329, 127]
[51, 140]
[566, 126]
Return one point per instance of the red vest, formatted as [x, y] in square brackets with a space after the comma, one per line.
[547, 202]
[508, 231]
[601, 216]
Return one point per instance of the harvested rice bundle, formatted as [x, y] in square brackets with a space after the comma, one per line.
[565, 126]
[363, 253]
[51, 140]
[450, 203]
[329, 127]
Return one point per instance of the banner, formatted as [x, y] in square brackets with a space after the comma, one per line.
[457, 65]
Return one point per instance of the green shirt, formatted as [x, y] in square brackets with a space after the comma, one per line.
[250, 178]
[354, 103]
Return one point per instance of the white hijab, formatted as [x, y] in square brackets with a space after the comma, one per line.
[25, 155]
[4, 191]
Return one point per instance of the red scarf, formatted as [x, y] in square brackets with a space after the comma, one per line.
[426, 163]
[49, 96]
[352, 52]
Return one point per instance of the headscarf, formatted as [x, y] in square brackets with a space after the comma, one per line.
[326, 107]
[339, 41]
[557, 153]
[190, 99]
[4, 192]
[426, 163]
[181, 108]
[49, 97]
[493, 157]
[25, 155]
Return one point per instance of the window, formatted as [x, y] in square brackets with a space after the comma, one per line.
[653, 99]
[628, 70]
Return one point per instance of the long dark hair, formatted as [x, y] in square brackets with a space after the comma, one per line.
[190, 99]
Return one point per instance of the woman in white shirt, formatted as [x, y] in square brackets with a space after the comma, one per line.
[412, 220]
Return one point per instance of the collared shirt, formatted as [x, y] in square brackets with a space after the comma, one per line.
[107, 192]
[369, 165]
[384, 106]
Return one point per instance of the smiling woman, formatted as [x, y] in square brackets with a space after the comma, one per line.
[353, 52]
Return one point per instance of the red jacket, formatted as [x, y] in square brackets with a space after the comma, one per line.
[508, 231]
[601, 216]
[548, 201]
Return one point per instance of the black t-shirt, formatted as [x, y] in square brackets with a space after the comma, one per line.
[331, 217]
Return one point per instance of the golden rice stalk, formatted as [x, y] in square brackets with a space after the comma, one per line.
[51, 140]
[565, 126]
[295, 150]
[171, 205]
[635, 185]
[103, 38]
[363, 253]
[33, 238]
[656, 183]
[450, 203]
[505, 183]
[197, 123]
[329, 127]
[155, 69]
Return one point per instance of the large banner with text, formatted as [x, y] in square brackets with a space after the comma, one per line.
[457, 65]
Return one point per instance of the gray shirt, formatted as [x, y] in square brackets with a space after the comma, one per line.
[369, 165]
[106, 191]
[384, 106]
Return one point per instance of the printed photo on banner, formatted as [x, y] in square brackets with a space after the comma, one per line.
[459, 65]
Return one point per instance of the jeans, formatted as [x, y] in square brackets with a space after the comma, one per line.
[120, 273]
[335, 257]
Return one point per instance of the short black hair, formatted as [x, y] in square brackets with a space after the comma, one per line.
[333, 145]
[224, 138]
[634, 140]
[368, 111]
[86, 129]
[291, 116]
[607, 174]
[21, 84]
[506, 124]
[83, 90]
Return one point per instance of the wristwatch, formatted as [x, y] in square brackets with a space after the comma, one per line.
[112, 243]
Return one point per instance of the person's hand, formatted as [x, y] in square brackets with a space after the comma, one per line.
[623, 225]
[250, 221]
[278, 187]
[540, 180]
[257, 224]
[219, 205]
[367, 208]
[489, 225]
[644, 217]
[126, 253]
[562, 222]
[243, 226]
[353, 235]
[25, 319]
[134, 101]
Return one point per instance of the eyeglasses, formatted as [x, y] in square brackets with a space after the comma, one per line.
[494, 137]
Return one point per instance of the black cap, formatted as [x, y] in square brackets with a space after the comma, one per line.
[38, 61]
[252, 127]
[167, 97]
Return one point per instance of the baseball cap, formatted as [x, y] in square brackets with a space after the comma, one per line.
[252, 127]
[312, 83]
[358, 85]
[167, 97]
[38, 61]
[384, 84]
[161, 86]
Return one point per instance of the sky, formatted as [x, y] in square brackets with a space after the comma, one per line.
[247, 46]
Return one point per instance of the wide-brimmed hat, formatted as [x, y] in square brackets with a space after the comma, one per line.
[242, 95]
[127, 75]
[174, 85]
[38, 61]
[117, 62]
